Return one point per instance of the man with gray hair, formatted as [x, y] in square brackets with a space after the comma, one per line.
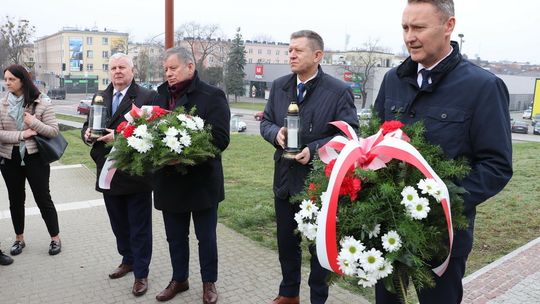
[321, 99]
[129, 198]
[197, 192]
[456, 100]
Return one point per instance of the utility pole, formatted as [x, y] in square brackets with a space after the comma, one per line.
[169, 23]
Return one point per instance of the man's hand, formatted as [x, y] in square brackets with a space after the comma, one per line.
[105, 138]
[303, 157]
[29, 118]
[280, 137]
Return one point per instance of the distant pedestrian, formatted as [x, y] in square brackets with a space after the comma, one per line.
[321, 99]
[24, 113]
[464, 109]
[128, 199]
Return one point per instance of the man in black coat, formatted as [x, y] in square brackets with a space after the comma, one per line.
[195, 194]
[324, 99]
[464, 109]
[128, 199]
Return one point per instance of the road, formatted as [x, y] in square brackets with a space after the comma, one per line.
[69, 107]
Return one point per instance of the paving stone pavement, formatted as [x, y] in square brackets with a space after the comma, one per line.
[248, 273]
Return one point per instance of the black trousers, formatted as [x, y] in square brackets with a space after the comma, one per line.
[131, 221]
[448, 288]
[290, 256]
[177, 231]
[37, 173]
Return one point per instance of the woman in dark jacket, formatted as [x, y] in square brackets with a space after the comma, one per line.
[23, 114]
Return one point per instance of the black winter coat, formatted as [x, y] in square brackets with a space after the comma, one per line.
[465, 111]
[122, 182]
[202, 186]
[327, 99]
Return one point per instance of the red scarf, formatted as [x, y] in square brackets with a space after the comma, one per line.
[178, 90]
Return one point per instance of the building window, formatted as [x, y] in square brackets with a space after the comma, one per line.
[259, 51]
[250, 60]
[105, 54]
[286, 52]
[89, 40]
[89, 54]
[277, 61]
[268, 52]
[105, 81]
[104, 40]
[105, 67]
[90, 67]
[250, 51]
[277, 52]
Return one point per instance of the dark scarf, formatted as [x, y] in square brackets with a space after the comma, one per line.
[178, 90]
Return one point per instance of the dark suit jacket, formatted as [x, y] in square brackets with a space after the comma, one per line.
[122, 183]
[202, 186]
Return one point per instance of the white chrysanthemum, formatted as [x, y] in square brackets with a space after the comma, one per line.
[141, 131]
[391, 241]
[182, 117]
[372, 232]
[141, 145]
[171, 131]
[198, 122]
[409, 194]
[384, 270]
[429, 186]
[190, 124]
[298, 218]
[371, 260]
[366, 279]
[185, 140]
[351, 248]
[419, 209]
[310, 231]
[308, 209]
[346, 265]
[173, 143]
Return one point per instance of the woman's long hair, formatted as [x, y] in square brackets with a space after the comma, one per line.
[30, 91]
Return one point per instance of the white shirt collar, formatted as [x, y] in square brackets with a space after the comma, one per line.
[124, 91]
[310, 78]
[421, 66]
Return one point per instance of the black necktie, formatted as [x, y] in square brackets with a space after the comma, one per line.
[301, 89]
[425, 78]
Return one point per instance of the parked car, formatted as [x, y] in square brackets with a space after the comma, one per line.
[519, 126]
[237, 125]
[536, 130]
[58, 93]
[527, 114]
[535, 119]
[364, 114]
[84, 105]
[258, 115]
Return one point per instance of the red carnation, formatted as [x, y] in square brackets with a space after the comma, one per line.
[121, 126]
[329, 167]
[391, 125]
[157, 112]
[128, 131]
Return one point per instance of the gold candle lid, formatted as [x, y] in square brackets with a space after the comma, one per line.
[293, 108]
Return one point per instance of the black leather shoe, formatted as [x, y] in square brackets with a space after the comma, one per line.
[17, 247]
[55, 247]
[4, 259]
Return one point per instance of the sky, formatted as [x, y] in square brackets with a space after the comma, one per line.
[493, 29]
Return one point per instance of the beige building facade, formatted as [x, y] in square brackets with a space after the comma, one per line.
[77, 59]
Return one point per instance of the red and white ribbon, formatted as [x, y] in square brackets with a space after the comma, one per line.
[371, 153]
[107, 173]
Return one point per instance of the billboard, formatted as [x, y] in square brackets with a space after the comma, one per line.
[75, 54]
[118, 45]
[536, 99]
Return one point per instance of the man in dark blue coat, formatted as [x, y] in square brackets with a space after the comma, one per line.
[322, 99]
[128, 199]
[465, 111]
[196, 193]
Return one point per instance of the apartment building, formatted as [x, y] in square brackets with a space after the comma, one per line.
[266, 52]
[77, 59]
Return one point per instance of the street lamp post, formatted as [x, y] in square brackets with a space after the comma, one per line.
[461, 41]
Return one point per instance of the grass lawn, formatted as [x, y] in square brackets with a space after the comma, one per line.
[503, 223]
[257, 106]
[70, 117]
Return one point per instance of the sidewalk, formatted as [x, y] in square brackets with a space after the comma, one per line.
[248, 273]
